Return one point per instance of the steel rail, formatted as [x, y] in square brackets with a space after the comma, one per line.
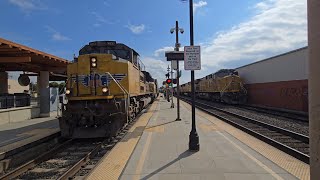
[275, 112]
[109, 146]
[25, 167]
[289, 150]
[71, 172]
[75, 168]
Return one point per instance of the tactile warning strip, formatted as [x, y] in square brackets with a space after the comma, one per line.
[294, 166]
[111, 166]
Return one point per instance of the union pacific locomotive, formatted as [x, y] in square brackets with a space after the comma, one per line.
[107, 87]
[223, 86]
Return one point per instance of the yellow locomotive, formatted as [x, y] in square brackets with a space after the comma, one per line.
[107, 87]
[224, 86]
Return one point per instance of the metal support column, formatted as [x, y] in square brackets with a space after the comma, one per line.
[193, 137]
[4, 82]
[314, 86]
[44, 94]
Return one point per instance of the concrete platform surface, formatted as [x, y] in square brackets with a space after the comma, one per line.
[16, 134]
[162, 152]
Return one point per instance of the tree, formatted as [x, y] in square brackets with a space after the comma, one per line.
[53, 84]
[33, 87]
[61, 87]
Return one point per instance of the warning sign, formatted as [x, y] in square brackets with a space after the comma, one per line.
[192, 60]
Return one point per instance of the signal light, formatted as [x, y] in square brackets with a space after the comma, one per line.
[168, 81]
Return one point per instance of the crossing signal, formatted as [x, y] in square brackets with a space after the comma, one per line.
[168, 81]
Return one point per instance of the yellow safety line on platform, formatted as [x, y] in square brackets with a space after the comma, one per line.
[294, 166]
[270, 171]
[144, 152]
[143, 157]
[111, 165]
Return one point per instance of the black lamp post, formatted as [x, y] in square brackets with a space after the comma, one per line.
[193, 137]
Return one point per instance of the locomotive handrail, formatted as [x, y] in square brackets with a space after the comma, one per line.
[124, 90]
[243, 88]
[117, 82]
[226, 87]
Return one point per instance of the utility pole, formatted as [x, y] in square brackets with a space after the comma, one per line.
[177, 45]
[193, 137]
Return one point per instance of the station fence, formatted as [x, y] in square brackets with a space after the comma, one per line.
[14, 100]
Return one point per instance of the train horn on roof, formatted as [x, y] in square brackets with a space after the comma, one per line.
[24, 80]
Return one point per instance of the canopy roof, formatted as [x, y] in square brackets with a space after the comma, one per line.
[17, 57]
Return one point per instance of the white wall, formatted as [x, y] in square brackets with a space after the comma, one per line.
[290, 66]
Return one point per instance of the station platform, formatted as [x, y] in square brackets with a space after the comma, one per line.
[17, 134]
[156, 147]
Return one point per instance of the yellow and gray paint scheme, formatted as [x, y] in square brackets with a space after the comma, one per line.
[107, 86]
[225, 85]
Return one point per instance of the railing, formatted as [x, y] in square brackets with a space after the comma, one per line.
[14, 100]
[124, 91]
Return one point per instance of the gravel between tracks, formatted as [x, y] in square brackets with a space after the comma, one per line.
[286, 123]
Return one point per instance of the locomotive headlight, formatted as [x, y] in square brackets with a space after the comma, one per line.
[94, 64]
[68, 91]
[105, 89]
[93, 59]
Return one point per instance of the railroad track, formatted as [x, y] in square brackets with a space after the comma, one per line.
[288, 141]
[294, 116]
[70, 159]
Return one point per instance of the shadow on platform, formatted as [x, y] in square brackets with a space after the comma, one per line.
[181, 156]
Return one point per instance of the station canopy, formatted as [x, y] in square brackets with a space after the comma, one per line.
[17, 57]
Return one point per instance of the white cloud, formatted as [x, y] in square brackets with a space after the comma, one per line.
[156, 67]
[136, 29]
[28, 5]
[161, 52]
[106, 3]
[100, 20]
[278, 26]
[59, 37]
[55, 35]
[198, 5]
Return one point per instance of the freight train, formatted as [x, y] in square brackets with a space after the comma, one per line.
[223, 86]
[107, 86]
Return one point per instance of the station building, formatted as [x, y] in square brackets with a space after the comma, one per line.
[280, 81]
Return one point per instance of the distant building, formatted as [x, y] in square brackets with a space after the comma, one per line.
[280, 81]
[15, 87]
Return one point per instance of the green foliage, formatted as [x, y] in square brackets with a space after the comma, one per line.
[33, 87]
[61, 87]
[54, 84]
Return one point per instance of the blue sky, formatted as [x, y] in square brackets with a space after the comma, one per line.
[231, 33]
